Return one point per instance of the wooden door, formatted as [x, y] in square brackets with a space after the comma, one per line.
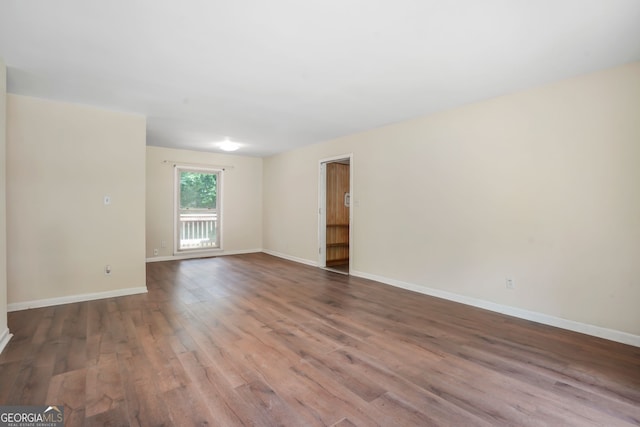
[337, 251]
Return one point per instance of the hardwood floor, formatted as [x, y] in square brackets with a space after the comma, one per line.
[256, 340]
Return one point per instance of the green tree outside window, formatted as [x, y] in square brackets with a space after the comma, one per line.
[198, 190]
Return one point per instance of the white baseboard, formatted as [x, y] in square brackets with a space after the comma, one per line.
[25, 305]
[291, 258]
[597, 331]
[193, 255]
[5, 336]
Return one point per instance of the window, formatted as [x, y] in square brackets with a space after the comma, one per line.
[197, 209]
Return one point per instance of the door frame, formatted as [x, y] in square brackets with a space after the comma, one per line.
[176, 208]
[322, 208]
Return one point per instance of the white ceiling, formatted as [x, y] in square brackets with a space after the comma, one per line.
[279, 74]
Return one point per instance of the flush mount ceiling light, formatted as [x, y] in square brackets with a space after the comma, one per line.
[227, 145]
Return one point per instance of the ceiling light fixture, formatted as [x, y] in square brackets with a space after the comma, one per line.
[227, 145]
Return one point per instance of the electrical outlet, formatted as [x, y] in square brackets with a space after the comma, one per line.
[155, 252]
[107, 270]
[510, 283]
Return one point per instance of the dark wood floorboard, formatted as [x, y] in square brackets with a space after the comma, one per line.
[259, 341]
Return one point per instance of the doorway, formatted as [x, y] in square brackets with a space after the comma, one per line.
[335, 214]
[197, 209]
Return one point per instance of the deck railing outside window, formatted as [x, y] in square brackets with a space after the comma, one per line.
[198, 228]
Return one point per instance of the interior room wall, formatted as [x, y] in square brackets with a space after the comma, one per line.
[62, 160]
[241, 200]
[540, 187]
[4, 330]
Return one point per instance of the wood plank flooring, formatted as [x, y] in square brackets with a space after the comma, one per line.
[259, 341]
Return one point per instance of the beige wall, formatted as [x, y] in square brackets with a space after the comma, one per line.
[241, 199]
[540, 186]
[62, 159]
[3, 207]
